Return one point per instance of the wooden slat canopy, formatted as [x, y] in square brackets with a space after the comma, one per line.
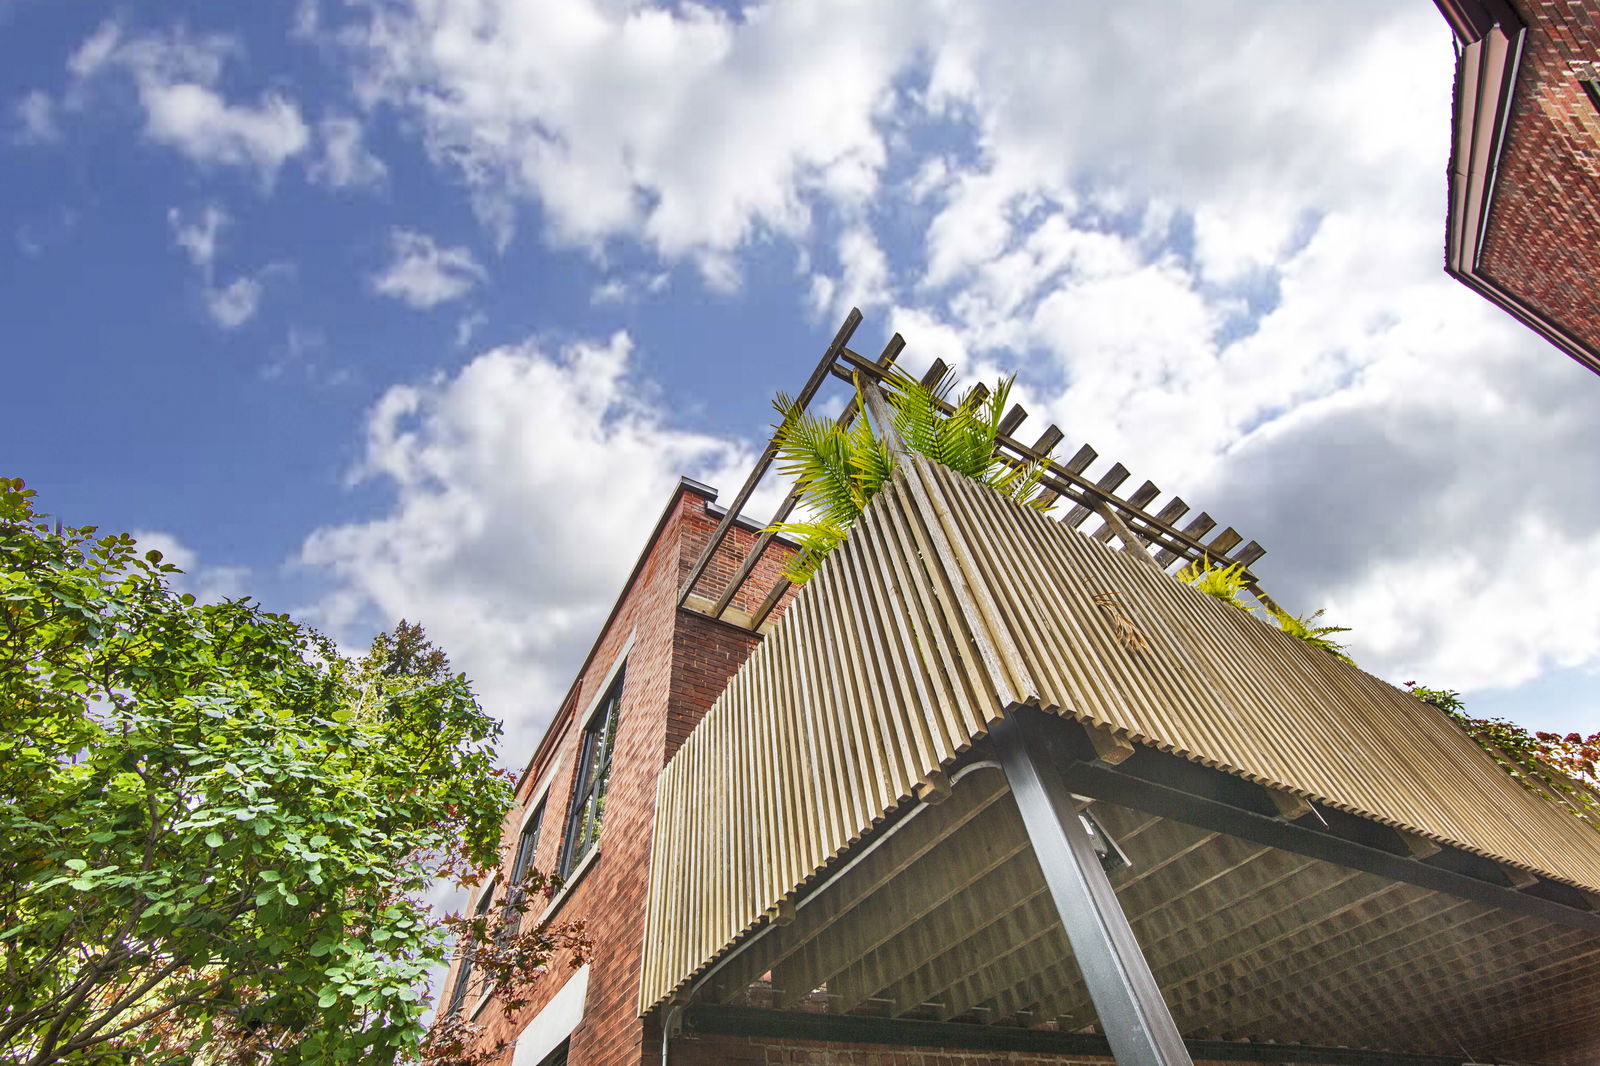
[946, 606]
[1247, 941]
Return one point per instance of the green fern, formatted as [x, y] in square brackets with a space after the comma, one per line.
[964, 438]
[1314, 635]
[840, 469]
[1227, 582]
[1221, 582]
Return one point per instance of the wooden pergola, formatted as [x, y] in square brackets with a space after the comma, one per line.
[994, 782]
[1094, 502]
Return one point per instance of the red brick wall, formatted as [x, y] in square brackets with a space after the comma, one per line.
[677, 664]
[706, 653]
[720, 570]
[1543, 241]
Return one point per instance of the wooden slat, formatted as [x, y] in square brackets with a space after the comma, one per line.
[1045, 445]
[1107, 483]
[1223, 543]
[1141, 497]
[947, 603]
[891, 352]
[736, 505]
[1197, 528]
[1013, 418]
[1249, 554]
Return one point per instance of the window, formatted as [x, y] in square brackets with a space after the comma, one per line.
[458, 995]
[527, 845]
[527, 848]
[589, 787]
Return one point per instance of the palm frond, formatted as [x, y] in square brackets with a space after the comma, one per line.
[963, 438]
[839, 469]
[816, 540]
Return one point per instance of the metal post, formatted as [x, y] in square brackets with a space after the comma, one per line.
[1133, 1016]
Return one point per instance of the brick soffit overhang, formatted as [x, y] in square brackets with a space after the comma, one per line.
[1491, 37]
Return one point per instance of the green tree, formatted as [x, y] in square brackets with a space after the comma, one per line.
[217, 833]
[840, 468]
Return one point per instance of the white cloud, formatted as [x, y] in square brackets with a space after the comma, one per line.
[196, 121]
[198, 236]
[617, 291]
[345, 161]
[206, 582]
[863, 280]
[91, 57]
[1234, 289]
[423, 274]
[176, 77]
[522, 489]
[688, 126]
[235, 303]
[36, 119]
[467, 327]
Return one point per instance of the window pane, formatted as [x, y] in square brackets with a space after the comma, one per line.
[527, 845]
[589, 783]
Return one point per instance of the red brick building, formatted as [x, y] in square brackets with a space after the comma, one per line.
[653, 671]
[1524, 211]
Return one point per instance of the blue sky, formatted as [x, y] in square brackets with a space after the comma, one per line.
[418, 307]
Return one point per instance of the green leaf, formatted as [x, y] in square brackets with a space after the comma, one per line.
[211, 716]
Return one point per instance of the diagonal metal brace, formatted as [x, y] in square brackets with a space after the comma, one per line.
[1133, 1015]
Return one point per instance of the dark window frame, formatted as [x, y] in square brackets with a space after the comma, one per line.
[586, 808]
[527, 843]
[527, 851]
[458, 994]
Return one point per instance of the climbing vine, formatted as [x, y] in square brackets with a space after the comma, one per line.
[1561, 766]
[1564, 768]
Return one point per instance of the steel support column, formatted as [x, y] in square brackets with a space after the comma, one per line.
[1133, 1016]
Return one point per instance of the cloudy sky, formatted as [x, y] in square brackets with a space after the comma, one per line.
[419, 307]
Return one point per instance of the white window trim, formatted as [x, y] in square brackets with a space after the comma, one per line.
[554, 1023]
[572, 882]
[487, 993]
[617, 661]
[539, 794]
